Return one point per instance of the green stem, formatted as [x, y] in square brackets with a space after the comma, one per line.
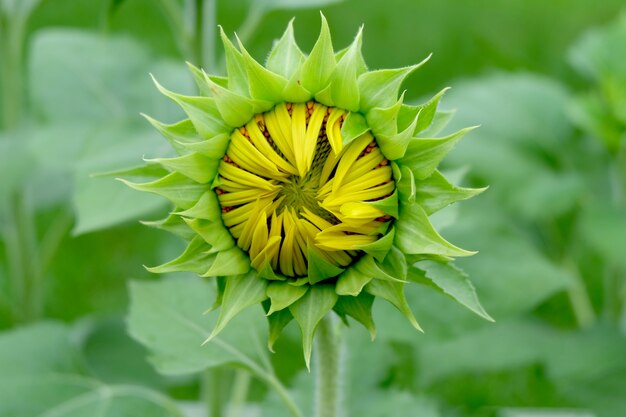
[11, 74]
[175, 18]
[579, 298]
[246, 30]
[209, 26]
[211, 384]
[239, 394]
[328, 369]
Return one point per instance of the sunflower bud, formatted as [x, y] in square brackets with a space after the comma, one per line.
[304, 184]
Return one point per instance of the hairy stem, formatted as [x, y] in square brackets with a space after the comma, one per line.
[328, 369]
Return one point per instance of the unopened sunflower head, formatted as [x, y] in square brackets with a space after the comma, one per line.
[305, 184]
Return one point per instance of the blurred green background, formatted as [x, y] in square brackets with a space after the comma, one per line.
[547, 82]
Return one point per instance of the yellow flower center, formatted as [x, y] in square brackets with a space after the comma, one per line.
[289, 189]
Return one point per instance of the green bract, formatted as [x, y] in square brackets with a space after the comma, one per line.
[306, 184]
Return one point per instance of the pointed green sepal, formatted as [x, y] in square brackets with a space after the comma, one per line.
[198, 77]
[367, 265]
[424, 113]
[265, 271]
[360, 309]
[143, 171]
[406, 185]
[343, 88]
[194, 166]
[320, 64]
[207, 207]
[263, 83]
[177, 134]
[379, 248]
[395, 146]
[235, 67]
[394, 293]
[202, 111]
[360, 65]
[214, 233]
[241, 291]
[435, 192]
[353, 126]
[388, 205]
[455, 283]
[231, 261]
[351, 282]
[236, 110]
[282, 295]
[384, 120]
[173, 224]
[416, 235]
[294, 92]
[309, 311]
[423, 155]
[177, 188]
[213, 148]
[277, 322]
[220, 286]
[319, 269]
[285, 58]
[380, 88]
[195, 259]
[440, 121]
[428, 111]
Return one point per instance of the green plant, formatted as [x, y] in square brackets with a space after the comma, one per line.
[306, 184]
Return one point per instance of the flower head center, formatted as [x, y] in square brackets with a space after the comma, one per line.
[295, 198]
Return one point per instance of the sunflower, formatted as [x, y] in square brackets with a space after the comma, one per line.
[305, 184]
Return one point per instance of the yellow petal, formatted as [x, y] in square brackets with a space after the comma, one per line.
[350, 155]
[260, 236]
[298, 132]
[242, 176]
[333, 130]
[278, 123]
[261, 143]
